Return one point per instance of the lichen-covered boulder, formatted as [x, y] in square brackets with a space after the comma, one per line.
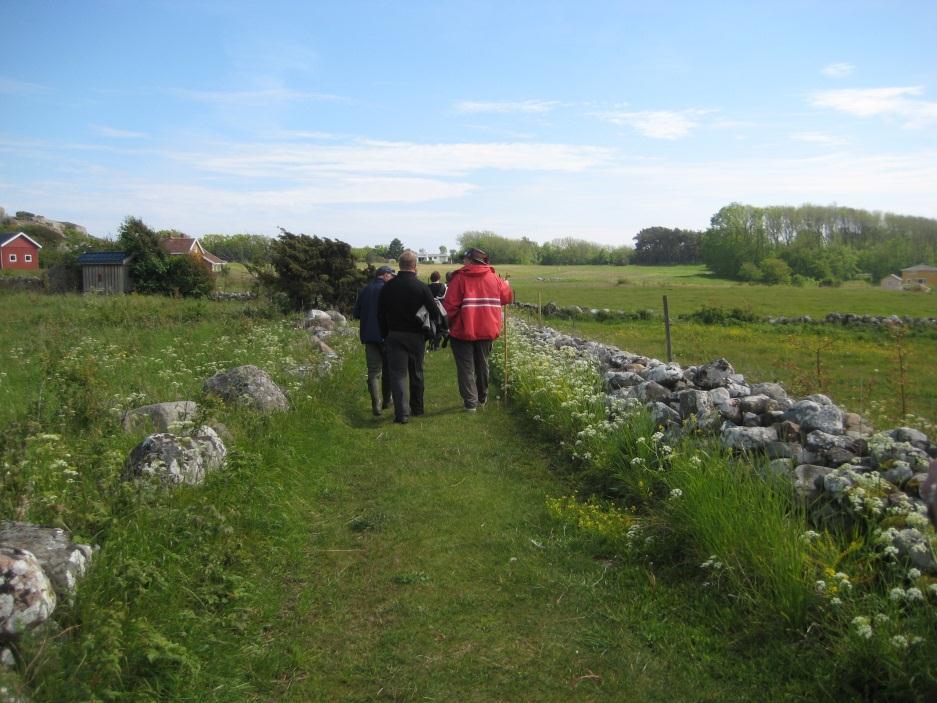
[621, 379]
[809, 480]
[727, 406]
[62, 560]
[651, 392]
[174, 459]
[667, 375]
[748, 438]
[337, 318]
[812, 415]
[663, 415]
[249, 386]
[27, 598]
[698, 408]
[775, 391]
[715, 374]
[161, 417]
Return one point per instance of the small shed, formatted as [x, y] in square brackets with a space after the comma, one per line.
[922, 274]
[892, 282]
[105, 272]
[18, 251]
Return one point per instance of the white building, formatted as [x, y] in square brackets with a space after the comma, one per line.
[424, 257]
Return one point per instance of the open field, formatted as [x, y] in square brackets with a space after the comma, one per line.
[857, 367]
[688, 288]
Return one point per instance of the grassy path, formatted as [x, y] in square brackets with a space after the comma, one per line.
[424, 568]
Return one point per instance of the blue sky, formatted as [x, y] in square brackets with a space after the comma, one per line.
[365, 121]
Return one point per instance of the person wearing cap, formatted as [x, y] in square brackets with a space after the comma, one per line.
[397, 308]
[473, 303]
[375, 350]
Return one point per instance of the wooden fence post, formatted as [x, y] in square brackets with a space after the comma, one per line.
[667, 330]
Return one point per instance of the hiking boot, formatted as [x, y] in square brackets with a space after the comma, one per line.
[468, 410]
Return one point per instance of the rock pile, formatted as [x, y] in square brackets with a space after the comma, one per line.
[830, 455]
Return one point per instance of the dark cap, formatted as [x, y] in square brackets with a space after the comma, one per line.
[386, 269]
[476, 255]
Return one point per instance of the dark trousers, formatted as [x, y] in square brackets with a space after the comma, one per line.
[405, 351]
[471, 366]
[375, 354]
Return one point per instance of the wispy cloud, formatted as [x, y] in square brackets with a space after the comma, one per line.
[11, 86]
[522, 106]
[898, 102]
[657, 124]
[838, 70]
[818, 138]
[382, 157]
[251, 97]
[114, 133]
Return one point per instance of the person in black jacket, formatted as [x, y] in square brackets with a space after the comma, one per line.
[397, 307]
[375, 351]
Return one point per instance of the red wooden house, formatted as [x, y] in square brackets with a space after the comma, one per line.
[18, 251]
[176, 246]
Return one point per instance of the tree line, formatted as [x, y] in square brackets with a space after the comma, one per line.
[828, 244]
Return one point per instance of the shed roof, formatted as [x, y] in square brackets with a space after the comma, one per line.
[7, 237]
[920, 267]
[103, 257]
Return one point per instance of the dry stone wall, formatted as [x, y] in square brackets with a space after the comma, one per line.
[834, 459]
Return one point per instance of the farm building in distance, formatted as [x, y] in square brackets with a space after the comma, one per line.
[891, 282]
[922, 274]
[18, 251]
[105, 272]
[424, 257]
[178, 246]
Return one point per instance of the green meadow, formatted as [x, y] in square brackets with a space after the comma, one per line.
[867, 370]
[337, 556]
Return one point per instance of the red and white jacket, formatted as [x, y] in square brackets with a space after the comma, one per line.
[473, 302]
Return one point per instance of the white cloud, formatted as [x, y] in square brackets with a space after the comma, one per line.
[818, 138]
[838, 70]
[106, 131]
[657, 124]
[251, 97]
[380, 157]
[523, 106]
[896, 102]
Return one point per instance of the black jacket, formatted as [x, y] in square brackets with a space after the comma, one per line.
[398, 302]
[366, 310]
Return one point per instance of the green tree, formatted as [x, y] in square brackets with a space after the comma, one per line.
[661, 245]
[395, 249]
[150, 263]
[309, 271]
[154, 271]
[775, 271]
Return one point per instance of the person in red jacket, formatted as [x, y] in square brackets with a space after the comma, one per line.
[473, 305]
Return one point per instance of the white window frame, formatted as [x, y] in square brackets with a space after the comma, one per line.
[12, 258]
[27, 258]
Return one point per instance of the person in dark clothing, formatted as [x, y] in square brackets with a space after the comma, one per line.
[438, 289]
[397, 307]
[375, 350]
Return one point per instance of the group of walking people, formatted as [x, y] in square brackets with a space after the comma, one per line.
[392, 309]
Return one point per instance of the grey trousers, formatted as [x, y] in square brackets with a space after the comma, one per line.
[405, 352]
[375, 355]
[471, 366]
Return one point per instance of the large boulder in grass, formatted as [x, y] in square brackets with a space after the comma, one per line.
[62, 560]
[161, 417]
[174, 459]
[248, 386]
[27, 598]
